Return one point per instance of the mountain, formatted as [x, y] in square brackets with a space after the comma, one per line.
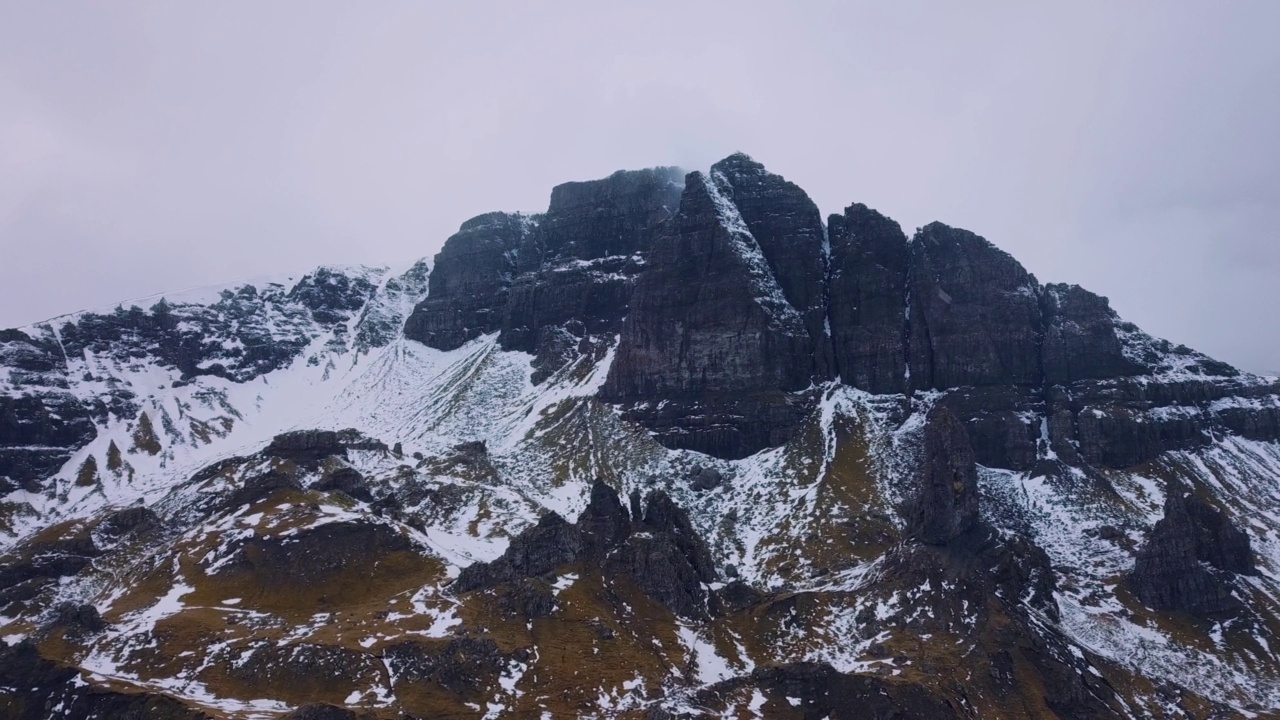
[676, 447]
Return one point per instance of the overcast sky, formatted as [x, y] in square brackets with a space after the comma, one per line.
[1130, 147]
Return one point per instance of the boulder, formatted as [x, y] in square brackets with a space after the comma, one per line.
[78, 618]
[347, 480]
[705, 478]
[132, 520]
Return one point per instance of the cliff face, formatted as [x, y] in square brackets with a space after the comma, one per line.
[551, 282]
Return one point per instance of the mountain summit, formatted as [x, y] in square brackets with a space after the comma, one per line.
[676, 447]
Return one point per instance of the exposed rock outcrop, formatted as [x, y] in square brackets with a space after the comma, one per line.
[531, 277]
[974, 310]
[867, 300]
[39, 432]
[306, 446]
[660, 552]
[541, 549]
[947, 504]
[78, 618]
[1188, 560]
[579, 269]
[1080, 338]
[463, 666]
[711, 329]
[133, 520]
[347, 480]
[470, 282]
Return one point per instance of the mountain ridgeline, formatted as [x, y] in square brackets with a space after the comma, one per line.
[673, 448]
[730, 297]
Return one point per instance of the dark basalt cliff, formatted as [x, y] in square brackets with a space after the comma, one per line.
[1190, 559]
[731, 300]
[711, 330]
[548, 282]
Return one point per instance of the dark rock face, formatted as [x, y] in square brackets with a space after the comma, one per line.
[664, 517]
[1189, 557]
[305, 445]
[579, 269]
[730, 303]
[868, 293]
[730, 427]
[39, 432]
[616, 216]
[707, 315]
[78, 618]
[711, 328]
[788, 228]
[668, 560]
[947, 505]
[551, 543]
[1080, 340]
[975, 313]
[660, 552]
[604, 523]
[347, 480]
[471, 281]
[665, 573]
[537, 279]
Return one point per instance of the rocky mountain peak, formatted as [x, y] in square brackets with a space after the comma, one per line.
[864, 475]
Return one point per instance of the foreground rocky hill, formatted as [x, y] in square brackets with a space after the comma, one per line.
[676, 447]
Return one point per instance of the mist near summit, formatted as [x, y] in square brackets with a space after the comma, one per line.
[1129, 148]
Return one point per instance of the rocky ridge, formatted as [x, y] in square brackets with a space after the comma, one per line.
[674, 447]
